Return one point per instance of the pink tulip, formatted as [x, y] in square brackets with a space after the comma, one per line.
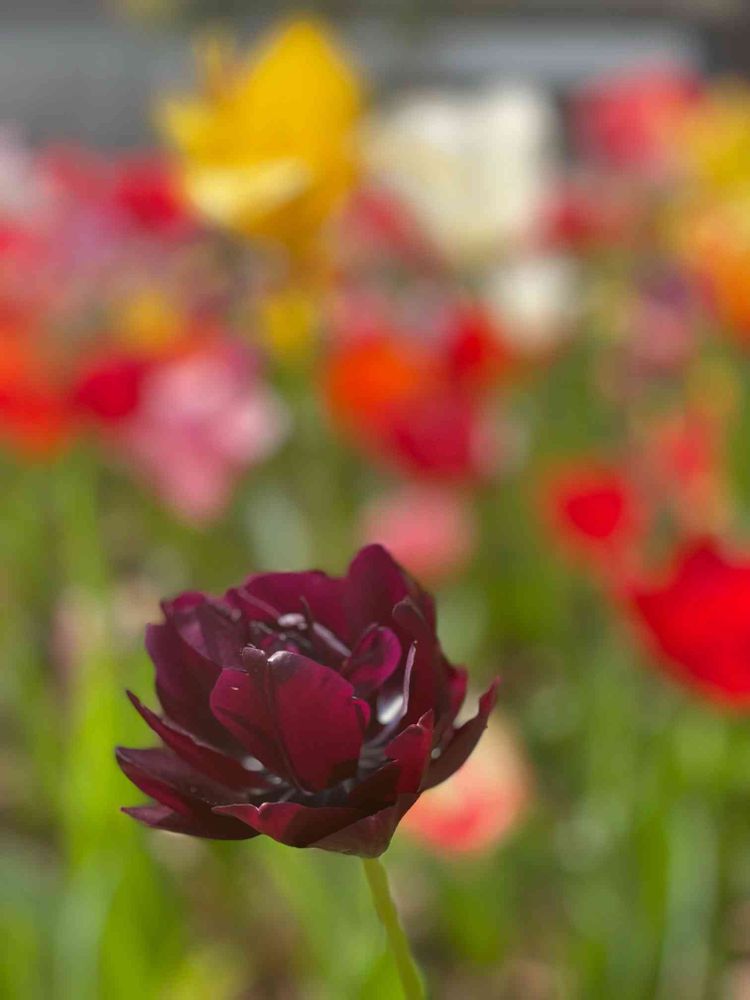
[428, 529]
[203, 419]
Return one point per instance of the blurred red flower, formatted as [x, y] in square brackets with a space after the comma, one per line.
[33, 419]
[146, 190]
[112, 316]
[109, 389]
[80, 236]
[34, 416]
[696, 617]
[594, 511]
[476, 355]
[138, 191]
[419, 402]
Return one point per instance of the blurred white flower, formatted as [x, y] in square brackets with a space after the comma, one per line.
[476, 169]
[23, 189]
[533, 299]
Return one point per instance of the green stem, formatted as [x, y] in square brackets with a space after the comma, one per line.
[377, 879]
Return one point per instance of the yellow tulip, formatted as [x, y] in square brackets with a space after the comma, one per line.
[717, 142]
[288, 325]
[267, 148]
[707, 220]
[149, 321]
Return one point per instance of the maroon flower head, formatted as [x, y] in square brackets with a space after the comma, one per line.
[310, 708]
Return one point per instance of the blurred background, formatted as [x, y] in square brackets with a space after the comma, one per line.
[470, 280]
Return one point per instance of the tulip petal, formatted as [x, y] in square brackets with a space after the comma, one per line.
[212, 629]
[375, 584]
[291, 823]
[458, 680]
[162, 775]
[210, 826]
[392, 701]
[297, 717]
[695, 620]
[463, 741]
[378, 790]
[215, 765]
[375, 657]
[407, 759]
[288, 593]
[371, 835]
[411, 750]
[428, 689]
[330, 828]
[184, 682]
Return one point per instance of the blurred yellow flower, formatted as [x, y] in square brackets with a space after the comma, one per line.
[289, 322]
[707, 220]
[267, 148]
[717, 141]
[149, 321]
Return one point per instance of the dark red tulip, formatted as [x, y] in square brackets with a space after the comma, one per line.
[698, 620]
[309, 708]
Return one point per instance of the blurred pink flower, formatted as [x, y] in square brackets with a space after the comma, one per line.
[480, 805]
[664, 321]
[588, 211]
[429, 530]
[684, 461]
[628, 121]
[203, 419]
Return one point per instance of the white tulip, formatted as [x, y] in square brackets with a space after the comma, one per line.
[475, 169]
[533, 300]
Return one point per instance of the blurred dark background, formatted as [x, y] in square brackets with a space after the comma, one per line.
[94, 65]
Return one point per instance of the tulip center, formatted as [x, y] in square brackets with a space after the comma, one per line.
[296, 632]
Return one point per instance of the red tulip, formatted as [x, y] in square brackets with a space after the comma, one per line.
[696, 618]
[109, 390]
[594, 511]
[418, 404]
[147, 193]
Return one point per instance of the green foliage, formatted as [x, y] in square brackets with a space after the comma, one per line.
[624, 881]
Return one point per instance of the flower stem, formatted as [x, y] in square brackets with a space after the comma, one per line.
[377, 879]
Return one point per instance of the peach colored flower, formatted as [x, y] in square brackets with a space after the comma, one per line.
[478, 807]
[429, 530]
